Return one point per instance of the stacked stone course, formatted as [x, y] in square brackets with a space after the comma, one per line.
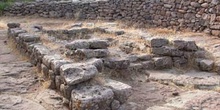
[72, 79]
[196, 15]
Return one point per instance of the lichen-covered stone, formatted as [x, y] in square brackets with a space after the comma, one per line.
[92, 98]
[115, 105]
[163, 62]
[28, 37]
[167, 51]
[47, 59]
[117, 63]
[191, 46]
[78, 44]
[205, 64]
[98, 44]
[14, 32]
[98, 63]
[56, 64]
[148, 65]
[159, 42]
[180, 62]
[13, 25]
[77, 73]
[87, 44]
[90, 53]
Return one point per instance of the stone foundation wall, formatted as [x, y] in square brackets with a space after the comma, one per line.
[195, 15]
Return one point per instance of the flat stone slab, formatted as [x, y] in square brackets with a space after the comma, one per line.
[11, 102]
[78, 72]
[50, 99]
[92, 98]
[192, 100]
[92, 53]
[117, 63]
[87, 44]
[16, 77]
[196, 79]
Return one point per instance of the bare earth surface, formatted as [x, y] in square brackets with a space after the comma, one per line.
[19, 84]
[21, 87]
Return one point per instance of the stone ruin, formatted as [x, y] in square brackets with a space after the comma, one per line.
[73, 72]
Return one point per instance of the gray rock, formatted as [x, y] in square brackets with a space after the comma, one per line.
[47, 59]
[180, 62]
[137, 58]
[205, 64]
[78, 44]
[201, 54]
[92, 98]
[215, 2]
[135, 67]
[185, 45]
[117, 63]
[163, 62]
[77, 73]
[179, 44]
[39, 51]
[159, 42]
[115, 105]
[195, 4]
[205, 5]
[121, 91]
[148, 65]
[13, 25]
[191, 46]
[66, 90]
[15, 32]
[167, 51]
[98, 63]
[56, 64]
[98, 44]
[89, 53]
[88, 44]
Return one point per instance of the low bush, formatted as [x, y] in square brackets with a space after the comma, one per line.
[4, 4]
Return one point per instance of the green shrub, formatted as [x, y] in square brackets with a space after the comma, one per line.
[4, 4]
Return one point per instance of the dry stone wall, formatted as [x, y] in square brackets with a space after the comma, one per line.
[196, 15]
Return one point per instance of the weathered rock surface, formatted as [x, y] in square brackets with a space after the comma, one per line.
[18, 103]
[163, 62]
[204, 64]
[90, 53]
[121, 91]
[87, 44]
[192, 100]
[13, 25]
[196, 79]
[76, 73]
[117, 63]
[92, 97]
[159, 42]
